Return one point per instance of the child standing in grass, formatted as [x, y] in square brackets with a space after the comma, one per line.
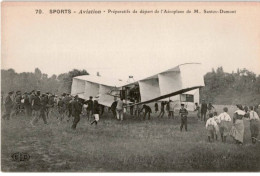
[223, 120]
[183, 113]
[211, 127]
[215, 117]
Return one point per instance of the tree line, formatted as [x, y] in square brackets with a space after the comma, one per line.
[28, 81]
[242, 86]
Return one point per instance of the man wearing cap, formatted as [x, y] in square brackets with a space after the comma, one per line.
[90, 107]
[204, 108]
[76, 111]
[8, 106]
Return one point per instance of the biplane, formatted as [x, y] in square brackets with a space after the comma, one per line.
[169, 83]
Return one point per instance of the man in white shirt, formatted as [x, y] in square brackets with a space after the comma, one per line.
[223, 121]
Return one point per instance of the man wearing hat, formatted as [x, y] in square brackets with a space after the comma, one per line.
[8, 106]
[76, 111]
[183, 113]
[204, 108]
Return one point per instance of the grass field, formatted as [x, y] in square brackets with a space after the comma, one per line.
[131, 145]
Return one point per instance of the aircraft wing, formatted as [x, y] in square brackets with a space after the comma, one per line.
[165, 96]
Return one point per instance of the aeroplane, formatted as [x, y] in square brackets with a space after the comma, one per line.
[169, 83]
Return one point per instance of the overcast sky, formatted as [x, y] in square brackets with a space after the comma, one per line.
[129, 44]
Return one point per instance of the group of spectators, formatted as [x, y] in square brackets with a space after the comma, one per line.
[220, 124]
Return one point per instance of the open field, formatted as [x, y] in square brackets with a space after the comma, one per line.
[130, 145]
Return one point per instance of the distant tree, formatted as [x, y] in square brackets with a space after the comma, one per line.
[67, 78]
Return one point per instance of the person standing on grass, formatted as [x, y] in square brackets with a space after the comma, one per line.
[17, 104]
[131, 107]
[211, 108]
[120, 109]
[215, 117]
[197, 108]
[183, 113]
[84, 110]
[254, 124]
[162, 109]
[8, 106]
[204, 108]
[27, 104]
[113, 107]
[137, 109]
[43, 110]
[147, 111]
[61, 108]
[90, 107]
[36, 106]
[95, 112]
[211, 127]
[171, 109]
[237, 130]
[76, 111]
[156, 109]
[223, 120]
[50, 105]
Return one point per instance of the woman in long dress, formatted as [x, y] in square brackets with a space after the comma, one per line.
[237, 130]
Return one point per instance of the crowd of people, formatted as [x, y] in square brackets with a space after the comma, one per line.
[39, 105]
[220, 124]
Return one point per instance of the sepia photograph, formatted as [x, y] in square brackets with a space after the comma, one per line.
[130, 87]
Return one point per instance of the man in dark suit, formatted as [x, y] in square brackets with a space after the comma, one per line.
[76, 111]
[204, 109]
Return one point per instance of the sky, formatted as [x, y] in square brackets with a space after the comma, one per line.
[119, 45]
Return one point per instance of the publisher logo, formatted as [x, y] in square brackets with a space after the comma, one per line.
[18, 156]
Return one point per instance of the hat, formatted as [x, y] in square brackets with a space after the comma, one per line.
[182, 104]
[11, 92]
[63, 94]
[90, 97]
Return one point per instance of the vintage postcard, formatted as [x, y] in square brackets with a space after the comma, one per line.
[130, 86]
